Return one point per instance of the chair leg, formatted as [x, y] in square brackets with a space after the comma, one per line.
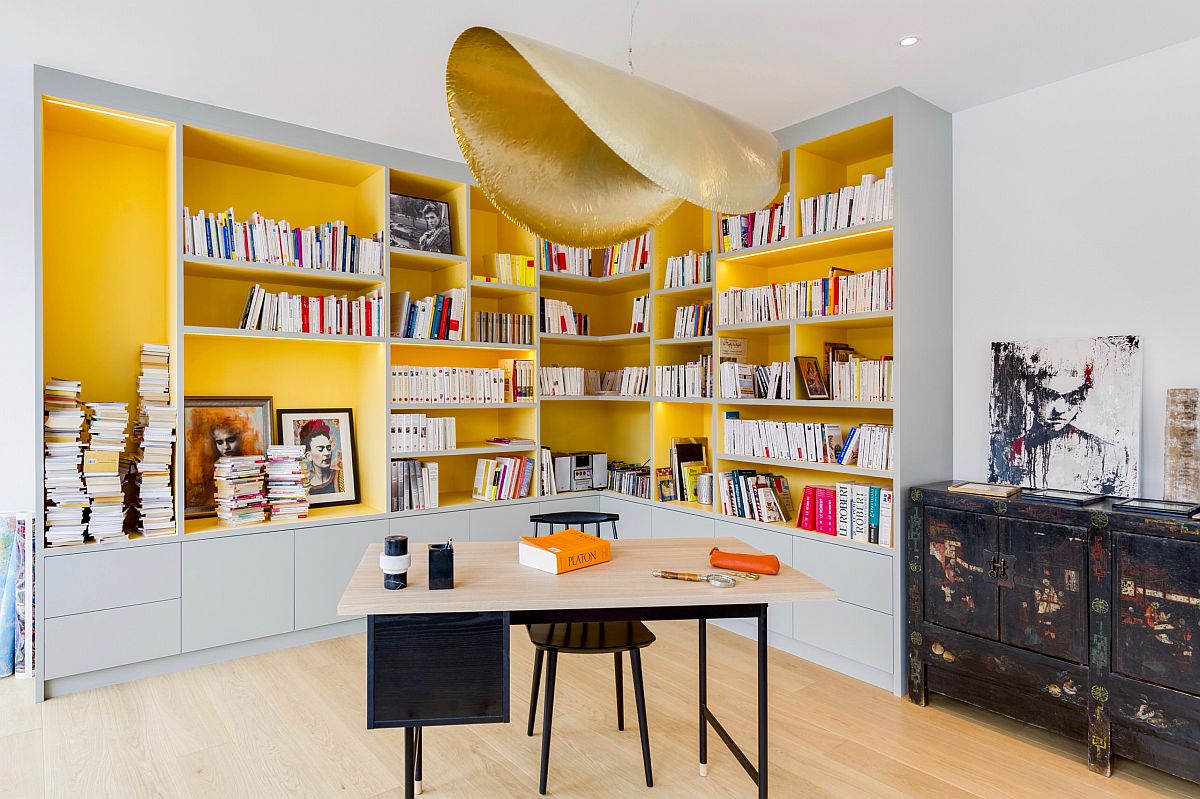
[533, 692]
[620, 693]
[639, 693]
[614, 526]
[547, 718]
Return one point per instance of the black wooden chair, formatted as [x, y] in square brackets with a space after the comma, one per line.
[587, 638]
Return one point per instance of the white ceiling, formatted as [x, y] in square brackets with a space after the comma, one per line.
[373, 69]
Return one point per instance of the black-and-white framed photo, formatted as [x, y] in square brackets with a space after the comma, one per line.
[415, 223]
[214, 427]
[327, 435]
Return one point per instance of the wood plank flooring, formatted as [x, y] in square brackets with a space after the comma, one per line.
[290, 723]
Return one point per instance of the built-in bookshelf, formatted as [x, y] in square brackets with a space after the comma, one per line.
[138, 273]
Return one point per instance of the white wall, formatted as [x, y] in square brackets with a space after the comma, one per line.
[1076, 213]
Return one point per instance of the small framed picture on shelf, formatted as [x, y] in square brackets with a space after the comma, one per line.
[1163, 506]
[808, 369]
[666, 484]
[1061, 496]
[214, 427]
[415, 223]
[327, 435]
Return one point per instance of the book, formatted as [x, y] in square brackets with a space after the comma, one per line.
[564, 551]
[286, 473]
[885, 517]
[859, 511]
[690, 470]
[873, 500]
[994, 490]
[639, 316]
[666, 484]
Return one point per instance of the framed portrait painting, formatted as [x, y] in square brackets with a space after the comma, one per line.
[213, 427]
[808, 369]
[327, 435]
[416, 223]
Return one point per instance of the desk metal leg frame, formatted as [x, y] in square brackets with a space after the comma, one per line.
[412, 761]
[707, 719]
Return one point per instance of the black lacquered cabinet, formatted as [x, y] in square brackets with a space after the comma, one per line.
[1083, 621]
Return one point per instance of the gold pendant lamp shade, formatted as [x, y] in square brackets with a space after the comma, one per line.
[586, 155]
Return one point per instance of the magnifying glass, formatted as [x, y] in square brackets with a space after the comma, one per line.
[716, 580]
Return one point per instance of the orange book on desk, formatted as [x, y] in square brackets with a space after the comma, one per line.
[564, 551]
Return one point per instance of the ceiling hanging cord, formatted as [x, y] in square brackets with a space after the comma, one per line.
[632, 17]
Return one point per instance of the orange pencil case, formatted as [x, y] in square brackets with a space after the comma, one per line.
[740, 561]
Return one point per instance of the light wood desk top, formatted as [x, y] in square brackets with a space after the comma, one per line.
[487, 577]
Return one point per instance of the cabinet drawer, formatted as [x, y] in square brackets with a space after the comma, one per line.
[779, 544]
[860, 578]
[582, 500]
[106, 638]
[429, 528]
[238, 588]
[851, 631]
[88, 581]
[635, 517]
[325, 559]
[667, 523]
[503, 522]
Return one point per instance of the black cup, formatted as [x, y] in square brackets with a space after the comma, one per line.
[441, 566]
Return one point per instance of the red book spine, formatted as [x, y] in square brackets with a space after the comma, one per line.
[304, 327]
[826, 511]
[807, 520]
[368, 327]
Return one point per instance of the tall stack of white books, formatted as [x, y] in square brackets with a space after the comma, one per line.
[66, 501]
[108, 425]
[153, 509]
[287, 482]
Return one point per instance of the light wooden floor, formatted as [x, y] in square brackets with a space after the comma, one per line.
[290, 723]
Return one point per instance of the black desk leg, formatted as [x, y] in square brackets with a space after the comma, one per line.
[703, 649]
[762, 701]
[410, 759]
[420, 746]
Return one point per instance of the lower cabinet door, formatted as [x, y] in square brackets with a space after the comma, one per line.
[860, 634]
[667, 523]
[779, 544]
[959, 591]
[106, 638]
[1042, 602]
[238, 588]
[325, 559]
[635, 521]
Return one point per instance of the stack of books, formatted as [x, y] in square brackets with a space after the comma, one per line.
[761, 227]
[287, 482]
[498, 479]
[568, 260]
[239, 495]
[108, 424]
[752, 381]
[513, 270]
[631, 256]
[152, 505]
[283, 312]
[693, 321]
[558, 316]
[502, 328]
[639, 318]
[870, 201]
[66, 500]
[691, 269]
[330, 246]
[749, 495]
[691, 379]
[414, 485]
[415, 432]
[438, 317]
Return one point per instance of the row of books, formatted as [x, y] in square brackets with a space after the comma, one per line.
[290, 313]
[286, 473]
[561, 381]
[860, 380]
[240, 495]
[629, 256]
[65, 431]
[841, 293]
[437, 317]
[629, 479]
[691, 379]
[498, 479]
[414, 484]
[511, 381]
[760, 227]
[568, 260]
[639, 317]
[502, 328]
[856, 511]
[151, 504]
[693, 321]
[690, 269]
[631, 381]
[754, 381]
[509, 269]
[749, 495]
[814, 442]
[416, 432]
[330, 247]
[868, 202]
[558, 316]
[868, 446]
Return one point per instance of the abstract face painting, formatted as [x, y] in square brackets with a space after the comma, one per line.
[1066, 413]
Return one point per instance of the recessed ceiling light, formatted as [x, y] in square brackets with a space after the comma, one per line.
[909, 41]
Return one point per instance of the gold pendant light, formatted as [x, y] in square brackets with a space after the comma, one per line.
[586, 155]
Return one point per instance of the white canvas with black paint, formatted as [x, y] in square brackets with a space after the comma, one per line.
[1066, 413]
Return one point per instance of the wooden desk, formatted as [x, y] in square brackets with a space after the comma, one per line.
[441, 657]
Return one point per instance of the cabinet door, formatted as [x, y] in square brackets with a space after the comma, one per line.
[959, 594]
[1042, 605]
[1157, 590]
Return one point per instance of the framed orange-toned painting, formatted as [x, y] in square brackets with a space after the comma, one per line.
[213, 427]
